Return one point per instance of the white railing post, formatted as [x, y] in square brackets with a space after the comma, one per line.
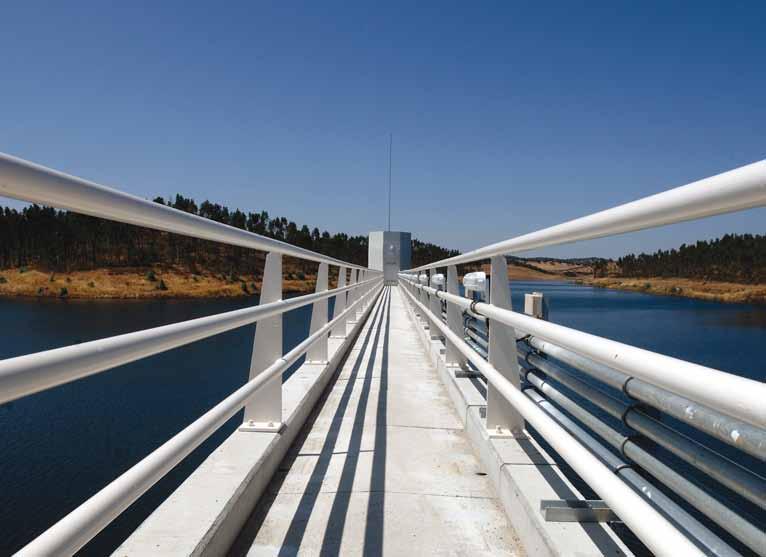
[352, 294]
[454, 321]
[339, 329]
[360, 294]
[317, 354]
[423, 299]
[435, 306]
[502, 418]
[264, 411]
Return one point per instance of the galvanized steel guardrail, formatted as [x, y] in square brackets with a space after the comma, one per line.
[726, 407]
[261, 396]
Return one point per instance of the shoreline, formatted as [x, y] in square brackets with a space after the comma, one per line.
[147, 283]
[138, 283]
[713, 291]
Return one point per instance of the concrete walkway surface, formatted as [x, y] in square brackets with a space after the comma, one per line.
[383, 467]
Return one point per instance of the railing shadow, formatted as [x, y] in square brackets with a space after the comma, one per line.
[295, 533]
[336, 521]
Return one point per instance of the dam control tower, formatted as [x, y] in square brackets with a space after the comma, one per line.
[389, 252]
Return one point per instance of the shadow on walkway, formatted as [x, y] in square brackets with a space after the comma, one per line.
[336, 521]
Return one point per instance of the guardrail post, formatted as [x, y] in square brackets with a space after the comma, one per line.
[339, 329]
[317, 354]
[360, 293]
[454, 321]
[502, 418]
[435, 306]
[352, 294]
[264, 411]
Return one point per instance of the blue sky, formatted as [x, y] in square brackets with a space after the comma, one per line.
[507, 117]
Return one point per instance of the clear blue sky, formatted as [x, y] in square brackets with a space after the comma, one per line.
[507, 117]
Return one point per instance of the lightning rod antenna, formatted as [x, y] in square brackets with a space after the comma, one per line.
[390, 146]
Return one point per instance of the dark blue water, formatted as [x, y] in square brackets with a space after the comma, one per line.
[59, 447]
[728, 337]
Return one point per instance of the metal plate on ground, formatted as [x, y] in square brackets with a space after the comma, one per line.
[577, 510]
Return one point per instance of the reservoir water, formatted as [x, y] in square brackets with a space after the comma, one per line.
[59, 447]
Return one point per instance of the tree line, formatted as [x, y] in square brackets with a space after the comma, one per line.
[65, 241]
[732, 258]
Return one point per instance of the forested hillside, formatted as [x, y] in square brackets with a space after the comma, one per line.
[732, 258]
[64, 241]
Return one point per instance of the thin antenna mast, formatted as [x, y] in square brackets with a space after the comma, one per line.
[390, 145]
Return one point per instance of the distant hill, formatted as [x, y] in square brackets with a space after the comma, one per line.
[737, 258]
[64, 241]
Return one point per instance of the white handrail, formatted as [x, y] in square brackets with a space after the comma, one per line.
[77, 528]
[730, 394]
[32, 182]
[735, 190]
[31, 373]
[653, 529]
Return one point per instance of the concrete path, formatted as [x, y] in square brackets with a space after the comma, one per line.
[384, 467]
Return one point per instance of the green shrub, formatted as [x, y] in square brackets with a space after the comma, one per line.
[151, 276]
[647, 285]
[22, 270]
[92, 284]
[195, 278]
[3, 280]
[301, 275]
[244, 287]
[63, 293]
[162, 285]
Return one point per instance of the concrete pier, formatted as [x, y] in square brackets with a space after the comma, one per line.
[383, 465]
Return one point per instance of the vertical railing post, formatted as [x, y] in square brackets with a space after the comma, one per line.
[423, 297]
[502, 418]
[264, 411]
[352, 294]
[339, 329]
[318, 352]
[454, 321]
[435, 306]
[359, 295]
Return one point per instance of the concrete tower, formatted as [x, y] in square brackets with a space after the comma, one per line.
[390, 252]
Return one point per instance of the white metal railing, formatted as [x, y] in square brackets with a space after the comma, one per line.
[731, 399]
[735, 190]
[78, 527]
[745, 483]
[31, 373]
[650, 526]
[260, 396]
[34, 183]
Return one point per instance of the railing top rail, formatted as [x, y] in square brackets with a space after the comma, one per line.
[735, 190]
[34, 183]
[733, 395]
[31, 373]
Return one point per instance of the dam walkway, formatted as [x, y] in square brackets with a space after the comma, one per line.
[383, 466]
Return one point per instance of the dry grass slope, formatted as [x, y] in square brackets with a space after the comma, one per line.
[135, 283]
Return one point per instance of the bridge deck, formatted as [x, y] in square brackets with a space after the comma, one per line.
[383, 466]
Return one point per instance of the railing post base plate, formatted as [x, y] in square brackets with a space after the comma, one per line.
[264, 427]
[505, 433]
[466, 374]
